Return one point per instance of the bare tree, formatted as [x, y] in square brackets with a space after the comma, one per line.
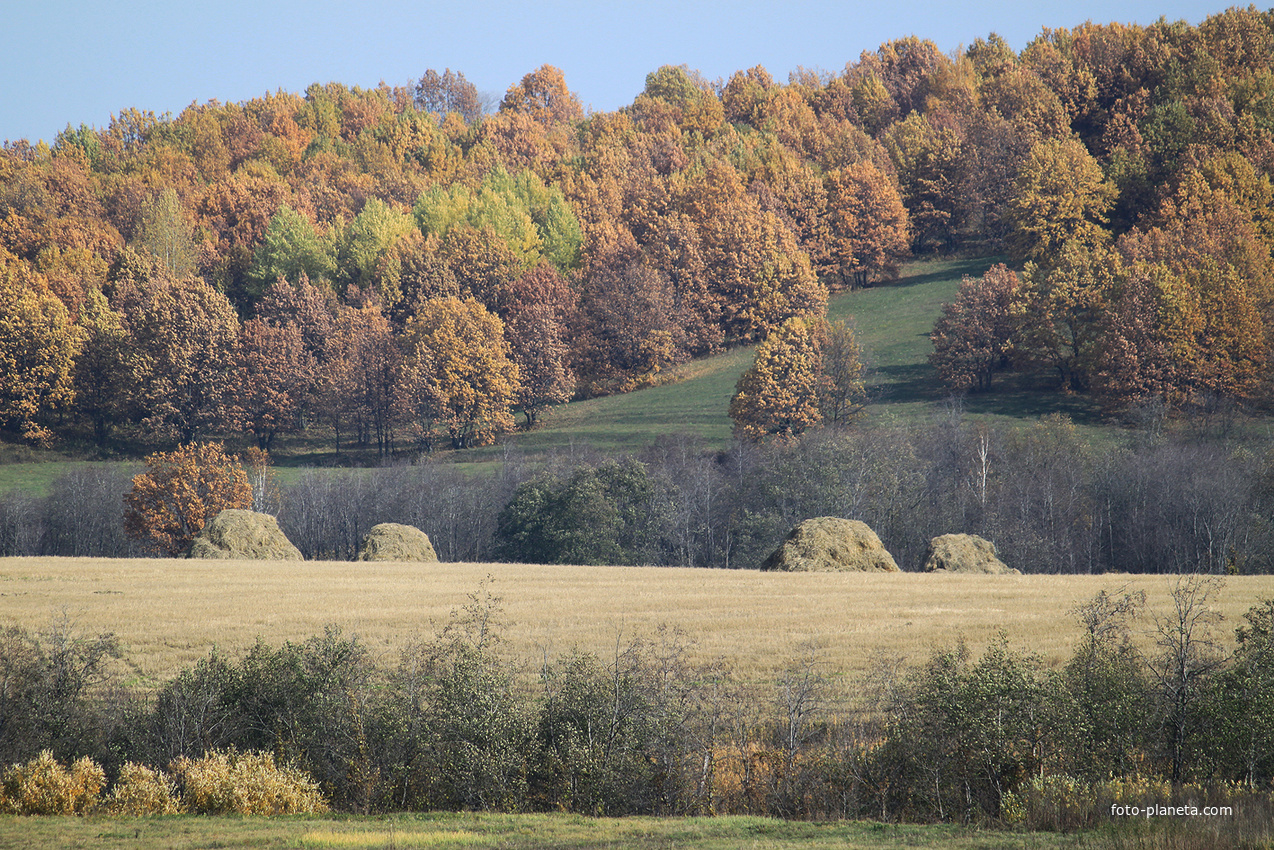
[1189, 654]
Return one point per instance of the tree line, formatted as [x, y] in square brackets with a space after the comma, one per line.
[404, 264]
[1051, 501]
[452, 722]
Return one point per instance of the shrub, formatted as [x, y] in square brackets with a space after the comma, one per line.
[141, 790]
[603, 515]
[43, 786]
[230, 782]
[48, 685]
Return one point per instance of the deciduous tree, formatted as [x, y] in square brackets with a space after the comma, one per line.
[180, 491]
[459, 376]
[974, 337]
[1061, 196]
[931, 164]
[290, 248]
[275, 380]
[778, 395]
[541, 304]
[448, 92]
[544, 97]
[631, 328]
[868, 230]
[369, 236]
[165, 233]
[38, 346]
[105, 375]
[186, 332]
[1064, 312]
[842, 388]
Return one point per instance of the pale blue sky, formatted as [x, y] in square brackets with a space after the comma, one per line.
[66, 62]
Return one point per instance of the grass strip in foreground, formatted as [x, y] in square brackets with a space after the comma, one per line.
[514, 832]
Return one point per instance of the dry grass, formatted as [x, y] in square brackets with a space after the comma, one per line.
[169, 613]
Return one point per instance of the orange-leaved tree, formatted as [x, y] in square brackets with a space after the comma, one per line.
[180, 491]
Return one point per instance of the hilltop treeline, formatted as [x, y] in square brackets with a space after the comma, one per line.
[400, 264]
[1050, 501]
[453, 723]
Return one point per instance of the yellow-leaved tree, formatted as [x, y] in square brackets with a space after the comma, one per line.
[779, 394]
[459, 377]
[38, 346]
[180, 491]
[1062, 195]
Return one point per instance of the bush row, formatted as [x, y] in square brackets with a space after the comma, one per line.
[1051, 501]
[452, 723]
[217, 783]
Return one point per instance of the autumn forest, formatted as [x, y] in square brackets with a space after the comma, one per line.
[418, 267]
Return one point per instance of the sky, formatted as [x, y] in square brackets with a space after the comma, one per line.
[75, 63]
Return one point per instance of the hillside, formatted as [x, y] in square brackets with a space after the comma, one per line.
[364, 270]
[892, 320]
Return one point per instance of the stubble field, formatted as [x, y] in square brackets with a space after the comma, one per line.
[169, 613]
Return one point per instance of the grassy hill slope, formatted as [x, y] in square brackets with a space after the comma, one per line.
[893, 322]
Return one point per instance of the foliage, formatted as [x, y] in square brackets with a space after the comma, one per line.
[778, 395]
[185, 333]
[531, 219]
[106, 373]
[602, 515]
[869, 231]
[453, 724]
[289, 248]
[141, 791]
[460, 377]
[842, 388]
[1061, 196]
[1103, 726]
[165, 233]
[1062, 313]
[974, 337]
[46, 685]
[448, 92]
[971, 731]
[245, 784]
[1128, 164]
[38, 347]
[541, 306]
[42, 786]
[180, 491]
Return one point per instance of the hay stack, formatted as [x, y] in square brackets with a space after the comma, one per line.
[965, 553]
[243, 535]
[831, 544]
[391, 541]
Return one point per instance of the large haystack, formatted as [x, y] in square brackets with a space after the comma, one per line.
[391, 541]
[965, 553]
[243, 535]
[831, 544]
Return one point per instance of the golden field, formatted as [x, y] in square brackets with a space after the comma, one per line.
[169, 613]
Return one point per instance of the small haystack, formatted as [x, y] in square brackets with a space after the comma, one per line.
[243, 535]
[965, 553]
[392, 541]
[831, 544]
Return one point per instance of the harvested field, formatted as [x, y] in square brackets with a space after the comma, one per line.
[169, 613]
